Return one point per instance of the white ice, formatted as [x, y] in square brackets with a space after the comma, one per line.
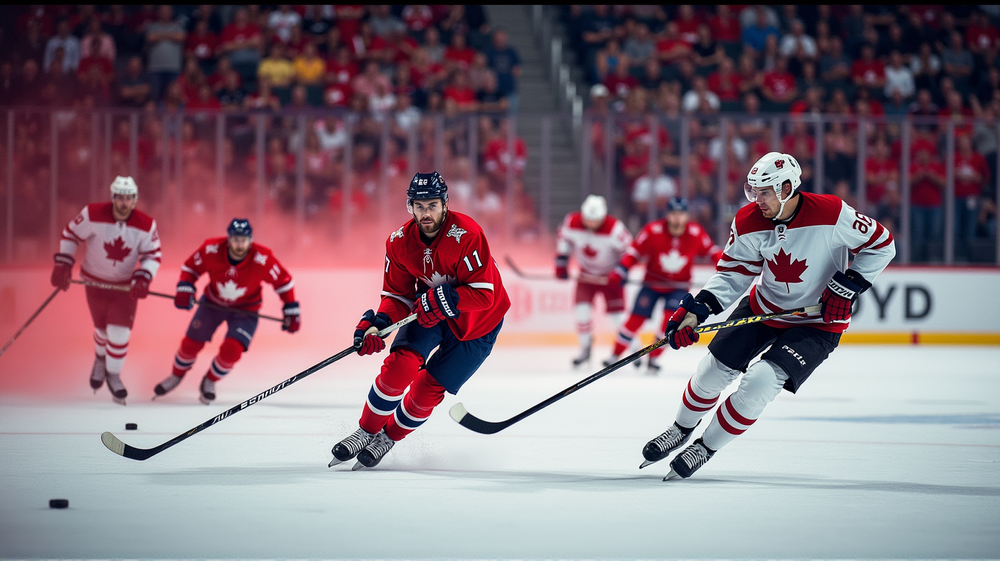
[887, 452]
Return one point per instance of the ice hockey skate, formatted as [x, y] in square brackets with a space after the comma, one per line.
[117, 389]
[98, 373]
[207, 390]
[652, 368]
[690, 460]
[349, 447]
[374, 452]
[661, 446]
[583, 358]
[167, 385]
[610, 360]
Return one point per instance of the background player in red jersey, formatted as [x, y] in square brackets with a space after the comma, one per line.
[669, 247]
[440, 264]
[236, 266]
[791, 249]
[597, 241]
[118, 237]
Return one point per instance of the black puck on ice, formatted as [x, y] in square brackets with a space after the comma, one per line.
[131, 426]
[58, 503]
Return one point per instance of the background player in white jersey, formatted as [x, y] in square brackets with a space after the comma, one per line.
[597, 241]
[797, 244]
[118, 237]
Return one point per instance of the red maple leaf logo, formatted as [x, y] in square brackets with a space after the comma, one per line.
[785, 270]
[117, 251]
[589, 251]
[779, 164]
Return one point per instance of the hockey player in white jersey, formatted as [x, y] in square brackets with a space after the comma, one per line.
[597, 241]
[118, 237]
[797, 244]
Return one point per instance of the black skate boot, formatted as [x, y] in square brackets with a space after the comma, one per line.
[117, 389]
[661, 446]
[583, 358]
[610, 360]
[652, 368]
[349, 447]
[207, 390]
[690, 460]
[167, 385]
[374, 452]
[98, 373]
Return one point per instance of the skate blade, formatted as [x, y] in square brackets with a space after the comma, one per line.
[202, 399]
[359, 466]
[672, 475]
[647, 463]
[118, 400]
[334, 462]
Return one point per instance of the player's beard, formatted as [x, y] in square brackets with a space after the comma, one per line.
[429, 226]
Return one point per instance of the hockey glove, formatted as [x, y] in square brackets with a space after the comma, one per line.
[291, 321]
[140, 284]
[618, 275]
[840, 294]
[63, 270]
[437, 304]
[366, 339]
[184, 299]
[562, 267]
[680, 328]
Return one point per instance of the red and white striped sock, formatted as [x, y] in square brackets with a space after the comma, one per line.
[116, 348]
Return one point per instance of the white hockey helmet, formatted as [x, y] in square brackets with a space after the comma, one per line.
[594, 207]
[771, 171]
[124, 185]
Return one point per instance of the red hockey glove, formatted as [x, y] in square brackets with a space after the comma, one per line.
[618, 275]
[366, 339]
[291, 321]
[840, 294]
[562, 267]
[140, 284]
[437, 304]
[680, 327]
[63, 271]
[184, 299]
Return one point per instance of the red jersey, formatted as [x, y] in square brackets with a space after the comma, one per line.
[966, 167]
[669, 258]
[460, 256]
[926, 192]
[496, 157]
[237, 285]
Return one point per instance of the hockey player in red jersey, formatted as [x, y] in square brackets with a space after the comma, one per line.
[795, 246]
[438, 265]
[236, 266]
[118, 237]
[669, 247]
[596, 241]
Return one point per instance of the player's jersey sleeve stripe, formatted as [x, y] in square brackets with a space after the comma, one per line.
[483, 285]
[70, 233]
[727, 257]
[285, 287]
[884, 243]
[739, 269]
[879, 230]
[398, 297]
[187, 269]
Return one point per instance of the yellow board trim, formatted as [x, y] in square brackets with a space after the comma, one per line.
[557, 339]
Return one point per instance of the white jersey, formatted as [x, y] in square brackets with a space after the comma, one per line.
[597, 252]
[113, 247]
[794, 261]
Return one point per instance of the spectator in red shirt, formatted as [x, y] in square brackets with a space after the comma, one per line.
[242, 40]
[972, 174]
[634, 163]
[497, 158]
[340, 69]
[105, 68]
[205, 99]
[881, 178]
[725, 26]
[621, 81]
[980, 36]
[222, 70]
[459, 55]
[959, 113]
[417, 18]
[191, 80]
[868, 72]
[687, 23]
[725, 82]
[671, 48]
[337, 94]
[348, 18]
[927, 181]
[779, 87]
[460, 92]
[811, 104]
[201, 44]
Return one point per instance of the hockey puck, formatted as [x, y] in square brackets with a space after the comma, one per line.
[58, 503]
[131, 426]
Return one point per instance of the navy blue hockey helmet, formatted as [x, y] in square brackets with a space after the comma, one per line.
[240, 227]
[677, 203]
[425, 186]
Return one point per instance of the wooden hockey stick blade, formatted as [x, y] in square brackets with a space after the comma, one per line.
[459, 413]
[115, 444]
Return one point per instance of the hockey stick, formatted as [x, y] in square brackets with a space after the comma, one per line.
[119, 288]
[32, 318]
[115, 444]
[528, 276]
[475, 424]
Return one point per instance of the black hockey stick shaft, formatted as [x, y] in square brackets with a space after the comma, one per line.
[475, 424]
[115, 444]
[31, 319]
[120, 288]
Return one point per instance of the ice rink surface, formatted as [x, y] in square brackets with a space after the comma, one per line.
[886, 452]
